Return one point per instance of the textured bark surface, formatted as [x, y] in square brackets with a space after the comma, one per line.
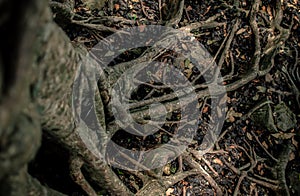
[20, 128]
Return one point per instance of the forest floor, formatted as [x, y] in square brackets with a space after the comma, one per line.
[257, 151]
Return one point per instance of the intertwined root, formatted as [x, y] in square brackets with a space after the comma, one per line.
[262, 31]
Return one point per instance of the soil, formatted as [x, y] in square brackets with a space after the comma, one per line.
[262, 126]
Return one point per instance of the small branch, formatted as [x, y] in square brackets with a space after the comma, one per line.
[143, 10]
[206, 175]
[266, 151]
[209, 166]
[209, 23]
[255, 30]
[237, 187]
[228, 42]
[263, 183]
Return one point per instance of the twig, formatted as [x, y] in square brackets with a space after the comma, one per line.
[187, 14]
[228, 42]
[209, 166]
[97, 27]
[180, 165]
[159, 7]
[266, 179]
[255, 30]
[143, 10]
[230, 75]
[237, 187]
[263, 183]
[209, 23]
[266, 151]
[206, 175]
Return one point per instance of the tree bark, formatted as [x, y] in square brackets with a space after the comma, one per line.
[38, 72]
[20, 128]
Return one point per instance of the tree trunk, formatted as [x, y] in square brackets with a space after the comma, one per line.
[37, 73]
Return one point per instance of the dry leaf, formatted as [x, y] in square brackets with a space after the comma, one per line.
[265, 144]
[218, 161]
[294, 142]
[231, 119]
[169, 191]
[285, 118]
[283, 136]
[117, 7]
[93, 4]
[184, 47]
[292, 156]
[259, 167]
[205, 110]
[189, 8]
[231, 114]
[252, 187]
[167, 169]
[240, 31]
[269, 77]
[269, 10]
[261, 172]
[249, 136]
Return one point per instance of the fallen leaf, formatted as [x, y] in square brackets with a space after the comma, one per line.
[189, 8]
[261, 89]
[240, 31]
[268, 77]
[259, 167]
[117, 7]
[231, 119]
[205, 110]
[283, 136]
[253, 184]
[184, 47]
[292, 156]
[249, 136]
[285, 118]
[231, 114]
[169, 191]
[269, 10]
[294, 142]
[218, 161]
[256, 97]
[265, 144]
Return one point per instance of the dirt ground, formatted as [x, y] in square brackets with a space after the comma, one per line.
[257, 151]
